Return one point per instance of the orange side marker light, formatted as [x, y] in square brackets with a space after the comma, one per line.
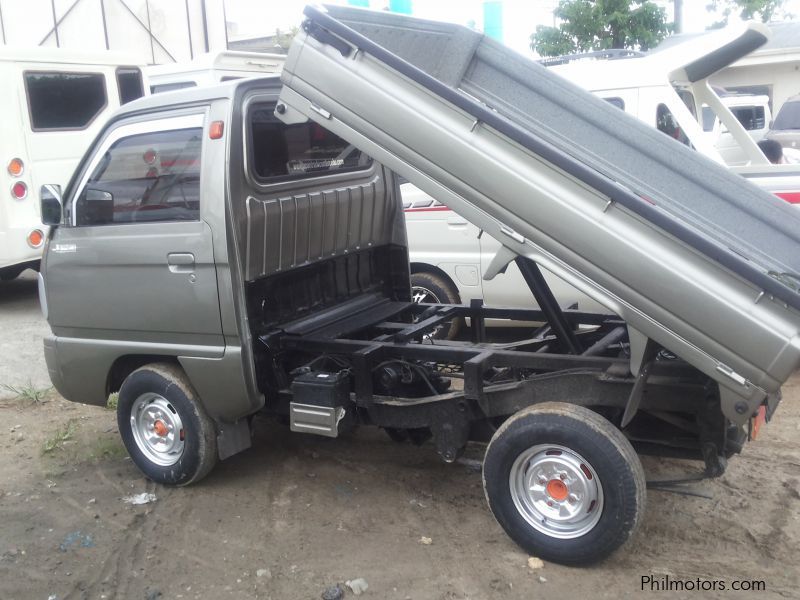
[216, 129]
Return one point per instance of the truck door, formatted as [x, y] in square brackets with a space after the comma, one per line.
[136, 259]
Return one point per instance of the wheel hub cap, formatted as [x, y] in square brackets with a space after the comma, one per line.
[160, 428]
[556, 490]
[157, 429]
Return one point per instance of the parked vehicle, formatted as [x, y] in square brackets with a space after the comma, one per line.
[53, 104]
[754, 114]
[786, 127]
[240, 249]
[212, 68]
[449, 255]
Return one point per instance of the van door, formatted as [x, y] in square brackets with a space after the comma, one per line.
[136, 260]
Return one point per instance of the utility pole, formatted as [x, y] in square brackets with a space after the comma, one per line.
[678, 15]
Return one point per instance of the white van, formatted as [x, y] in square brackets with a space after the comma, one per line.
[754, 114]
[53, 104]
[215, 67]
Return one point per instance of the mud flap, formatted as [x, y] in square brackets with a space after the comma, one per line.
[232, 438]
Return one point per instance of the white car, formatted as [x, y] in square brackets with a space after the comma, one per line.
[449, 255]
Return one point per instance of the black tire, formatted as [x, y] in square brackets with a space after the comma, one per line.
[554, 433]
[438, 290]
[165, 390]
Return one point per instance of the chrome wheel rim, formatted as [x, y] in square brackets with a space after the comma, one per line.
[556, 491]
[422, 294]
[157, 429]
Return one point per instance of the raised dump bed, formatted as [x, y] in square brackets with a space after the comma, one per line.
[689, 254]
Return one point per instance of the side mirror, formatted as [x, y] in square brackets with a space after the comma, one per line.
[50, 199]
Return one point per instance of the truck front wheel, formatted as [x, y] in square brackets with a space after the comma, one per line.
[564, 483]
[164, 427]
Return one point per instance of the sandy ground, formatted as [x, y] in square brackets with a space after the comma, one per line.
[295, 514]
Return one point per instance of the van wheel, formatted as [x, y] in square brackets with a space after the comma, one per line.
[164, 427]
[433, 289]
[564, 483]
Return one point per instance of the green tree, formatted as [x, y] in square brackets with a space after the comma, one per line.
[762, 10]
[601, 25]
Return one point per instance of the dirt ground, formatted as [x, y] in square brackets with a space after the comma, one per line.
[297, 514]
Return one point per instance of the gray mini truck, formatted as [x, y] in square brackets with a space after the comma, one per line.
[240, 249]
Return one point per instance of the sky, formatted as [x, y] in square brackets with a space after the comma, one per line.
[520, 17]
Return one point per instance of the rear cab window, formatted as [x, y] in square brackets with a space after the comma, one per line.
[63, 100]
[153, 176]
[279, 152]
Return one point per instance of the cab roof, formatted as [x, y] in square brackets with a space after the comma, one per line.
[193, 95]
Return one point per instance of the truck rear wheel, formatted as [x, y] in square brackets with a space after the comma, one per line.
[164, 427]
[564, 483]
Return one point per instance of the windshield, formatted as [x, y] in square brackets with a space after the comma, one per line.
[788, 116]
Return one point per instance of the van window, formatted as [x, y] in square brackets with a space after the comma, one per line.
[666, 122]
[788, 116]
[709, 118]
[168, 87]
[145, 178]
[129, 82]
[282, 152]
[688, 100]
[616, 101]
[64, 100]
[751, 117]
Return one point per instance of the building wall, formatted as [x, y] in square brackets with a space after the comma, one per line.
[156, 31]
[783, 78]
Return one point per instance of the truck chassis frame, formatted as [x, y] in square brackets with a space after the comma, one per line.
[668, 408]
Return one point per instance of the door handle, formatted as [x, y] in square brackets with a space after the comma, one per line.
[180, 262]
[456, 222]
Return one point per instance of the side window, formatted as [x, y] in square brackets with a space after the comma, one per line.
[145, 178]
[280, 152]
[64, 100]
[666, 122]
[688, 100]
[751, 117]
[788, 116]
[709, 118]
[618, 102]
[129, 83]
